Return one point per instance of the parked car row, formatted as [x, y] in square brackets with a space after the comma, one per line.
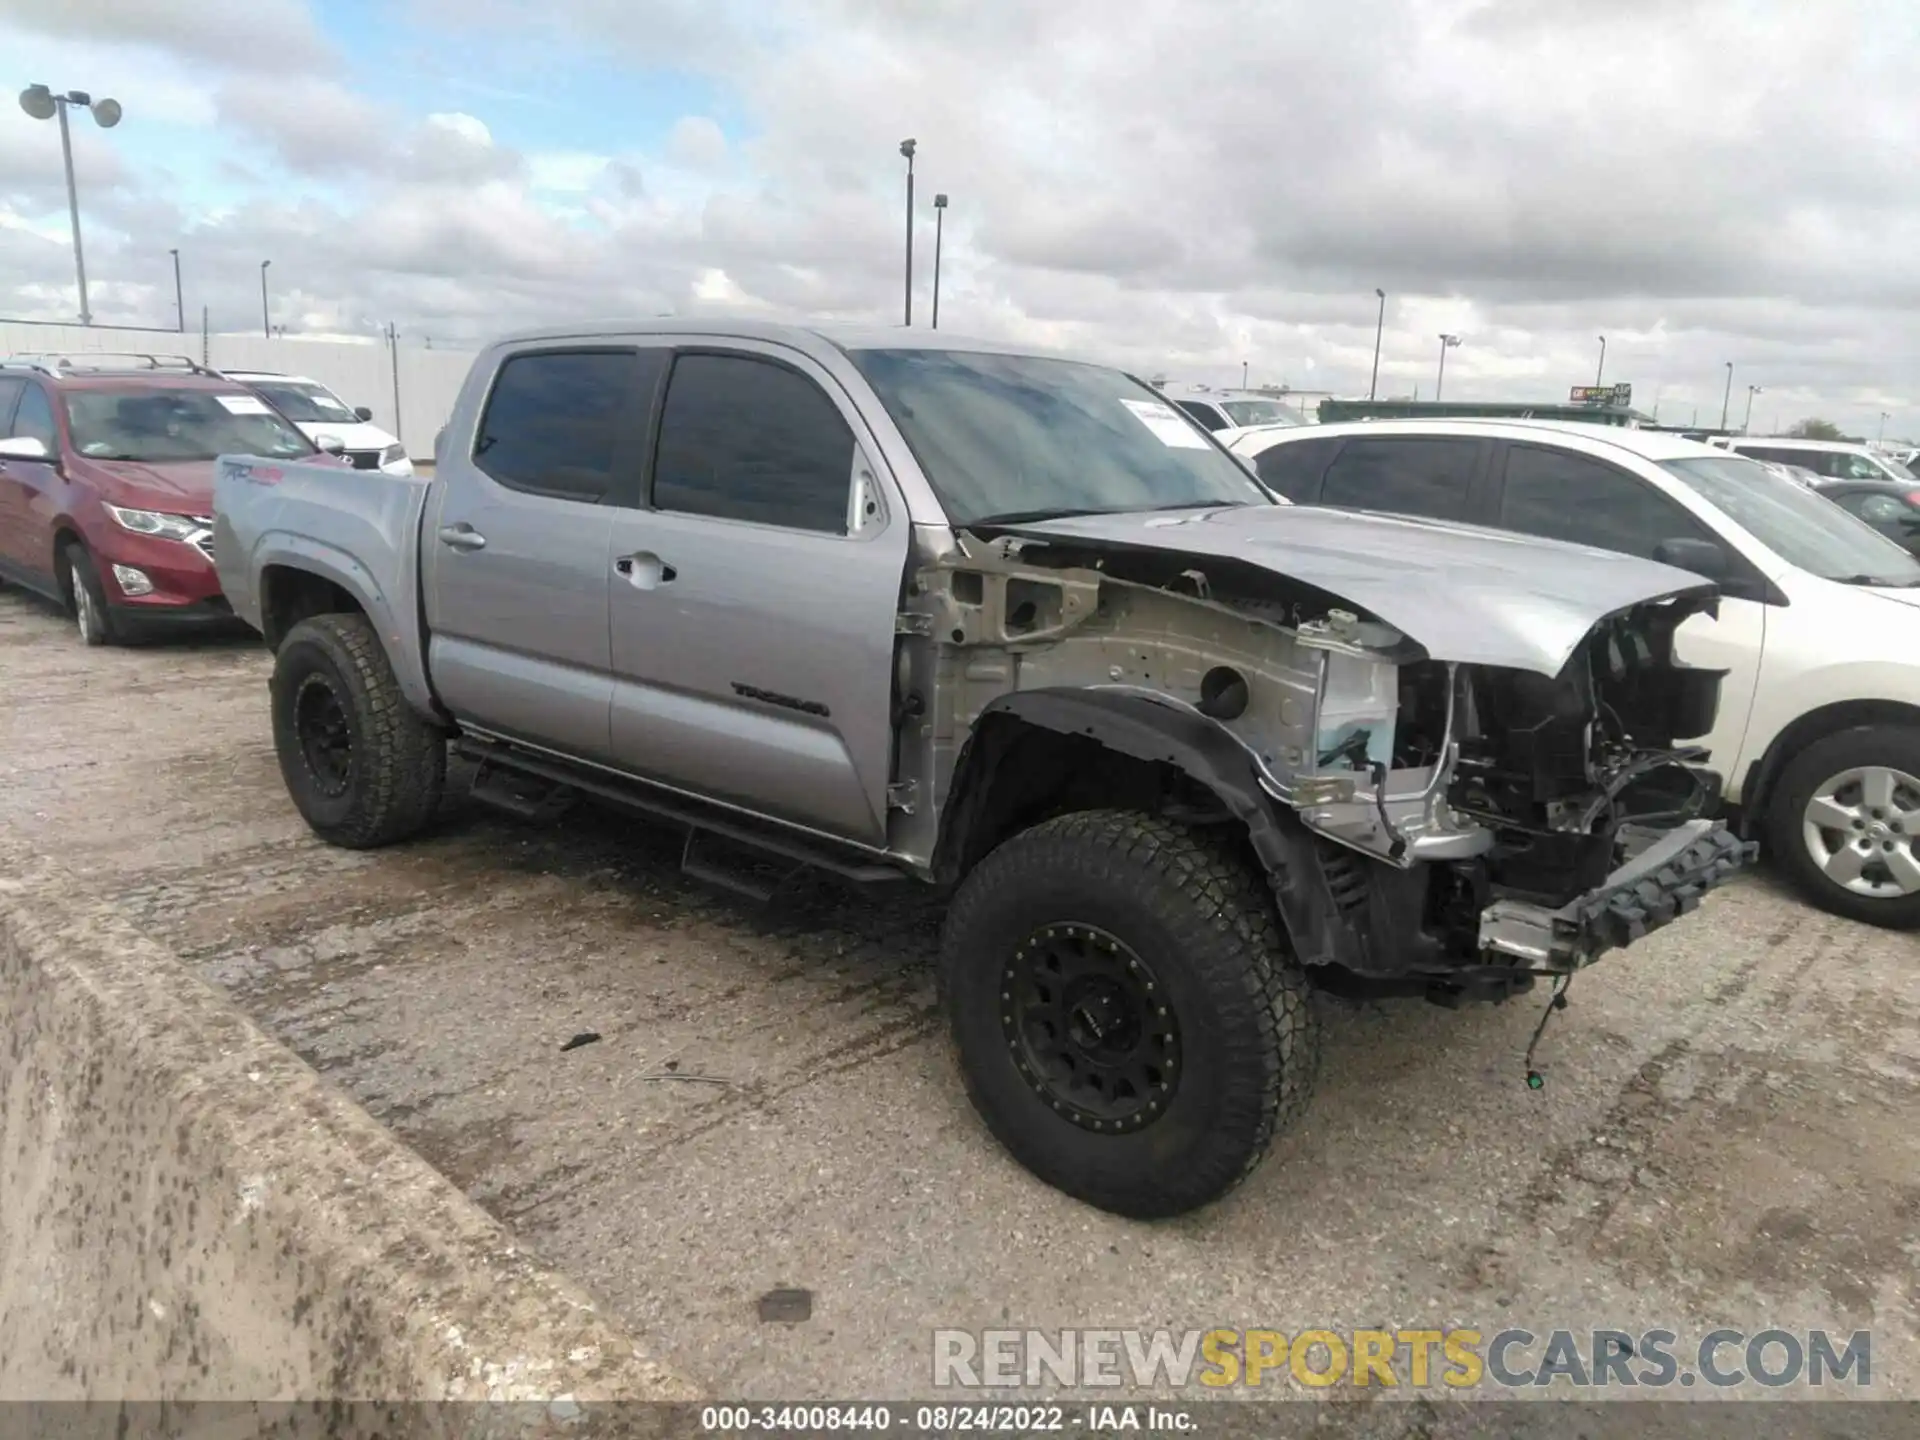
[106, 477]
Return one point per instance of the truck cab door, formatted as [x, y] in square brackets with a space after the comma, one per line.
[754, 594]
[516, 545]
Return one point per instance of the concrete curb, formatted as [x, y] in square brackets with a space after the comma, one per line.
[189, 1212]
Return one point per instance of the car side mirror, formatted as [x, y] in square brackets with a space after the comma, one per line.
[363, 413]
[331, 444]
[1702, 557]
[24, 447]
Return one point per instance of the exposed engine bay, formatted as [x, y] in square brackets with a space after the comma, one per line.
[1468, 787]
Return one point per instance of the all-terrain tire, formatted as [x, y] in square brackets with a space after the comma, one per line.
[87, 598]
[387, 785]
[1202, 923]
[1879, 747]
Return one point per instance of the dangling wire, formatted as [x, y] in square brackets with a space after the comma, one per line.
[1535, 1080]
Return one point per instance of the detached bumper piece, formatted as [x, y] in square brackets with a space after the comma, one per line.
[1654, 888]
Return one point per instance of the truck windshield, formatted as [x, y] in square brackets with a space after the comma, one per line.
[1799, 525]
[305, 403]
[166, 426]
[1006, 436]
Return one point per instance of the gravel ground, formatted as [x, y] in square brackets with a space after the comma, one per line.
[1727, 1136]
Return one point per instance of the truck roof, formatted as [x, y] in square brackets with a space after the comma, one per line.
[805, 337]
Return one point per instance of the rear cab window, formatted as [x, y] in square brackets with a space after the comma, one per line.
[555, 420]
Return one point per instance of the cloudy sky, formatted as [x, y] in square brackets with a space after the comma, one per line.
[1701, 181]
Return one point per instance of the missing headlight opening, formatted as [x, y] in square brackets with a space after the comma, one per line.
[1470, 786]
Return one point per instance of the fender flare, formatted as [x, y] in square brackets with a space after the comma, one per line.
[1142, 728]
[284, 551]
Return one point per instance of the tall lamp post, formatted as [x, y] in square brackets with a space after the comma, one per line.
[266, 323]
[1726, 400]
[1601, 368]
[1379, 325]
[42, 104]
[1747, 424]
[907, 147]
[1883, 427]
[1447, 342]
[939, 224]
[179, 297]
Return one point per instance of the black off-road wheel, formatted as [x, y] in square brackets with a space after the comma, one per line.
[1130, 1023]
[363, 767]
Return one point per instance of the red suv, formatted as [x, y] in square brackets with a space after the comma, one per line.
[106, 483]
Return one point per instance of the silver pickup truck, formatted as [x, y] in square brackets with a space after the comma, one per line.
[895, 605]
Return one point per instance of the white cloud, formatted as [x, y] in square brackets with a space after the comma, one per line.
[1703, 182]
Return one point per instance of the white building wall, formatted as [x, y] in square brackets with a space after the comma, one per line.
[360, 373]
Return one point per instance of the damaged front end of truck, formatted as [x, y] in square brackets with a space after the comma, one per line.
[1462, 760]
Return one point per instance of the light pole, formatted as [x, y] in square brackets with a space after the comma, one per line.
[1601, 368]
[179, 298]
[266, 324]
[1726, 400]
[1447, 342]
[1747, 424]
[1379, 325]
[42, 104]
[1243, 374]
[939, 224]
[907, 147]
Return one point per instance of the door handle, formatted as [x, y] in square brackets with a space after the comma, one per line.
[462, 537]
[645, 570]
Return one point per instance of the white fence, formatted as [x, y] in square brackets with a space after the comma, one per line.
[360, 373]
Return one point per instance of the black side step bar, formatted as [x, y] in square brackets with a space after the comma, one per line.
[566, 779]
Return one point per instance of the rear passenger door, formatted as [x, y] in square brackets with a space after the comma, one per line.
[1567, 495]
[516, 557]
[12, 484]
[755, 586]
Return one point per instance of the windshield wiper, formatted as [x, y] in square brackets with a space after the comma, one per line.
[1022, 517]
[1881, 582]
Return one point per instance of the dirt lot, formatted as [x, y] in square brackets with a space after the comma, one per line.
[1727, 1135]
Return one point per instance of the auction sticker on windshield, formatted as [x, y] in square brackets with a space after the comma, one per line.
[243, 404]
[1165, 422]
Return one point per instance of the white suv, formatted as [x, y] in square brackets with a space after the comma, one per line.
[1830, 459]
[1818, 737]
[325, 418]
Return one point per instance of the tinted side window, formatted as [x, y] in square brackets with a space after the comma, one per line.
[1294, 467]
[1429, 478]
[746, 439]
[553, 418]
[1563, 496]
[1209, 418]
[9, 392]
[35, 418]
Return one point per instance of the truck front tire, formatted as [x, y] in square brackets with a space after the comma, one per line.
[1129, 1022]
[363, 767]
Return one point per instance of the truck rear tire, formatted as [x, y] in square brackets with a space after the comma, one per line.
[364, 768]
[1129, 1022]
